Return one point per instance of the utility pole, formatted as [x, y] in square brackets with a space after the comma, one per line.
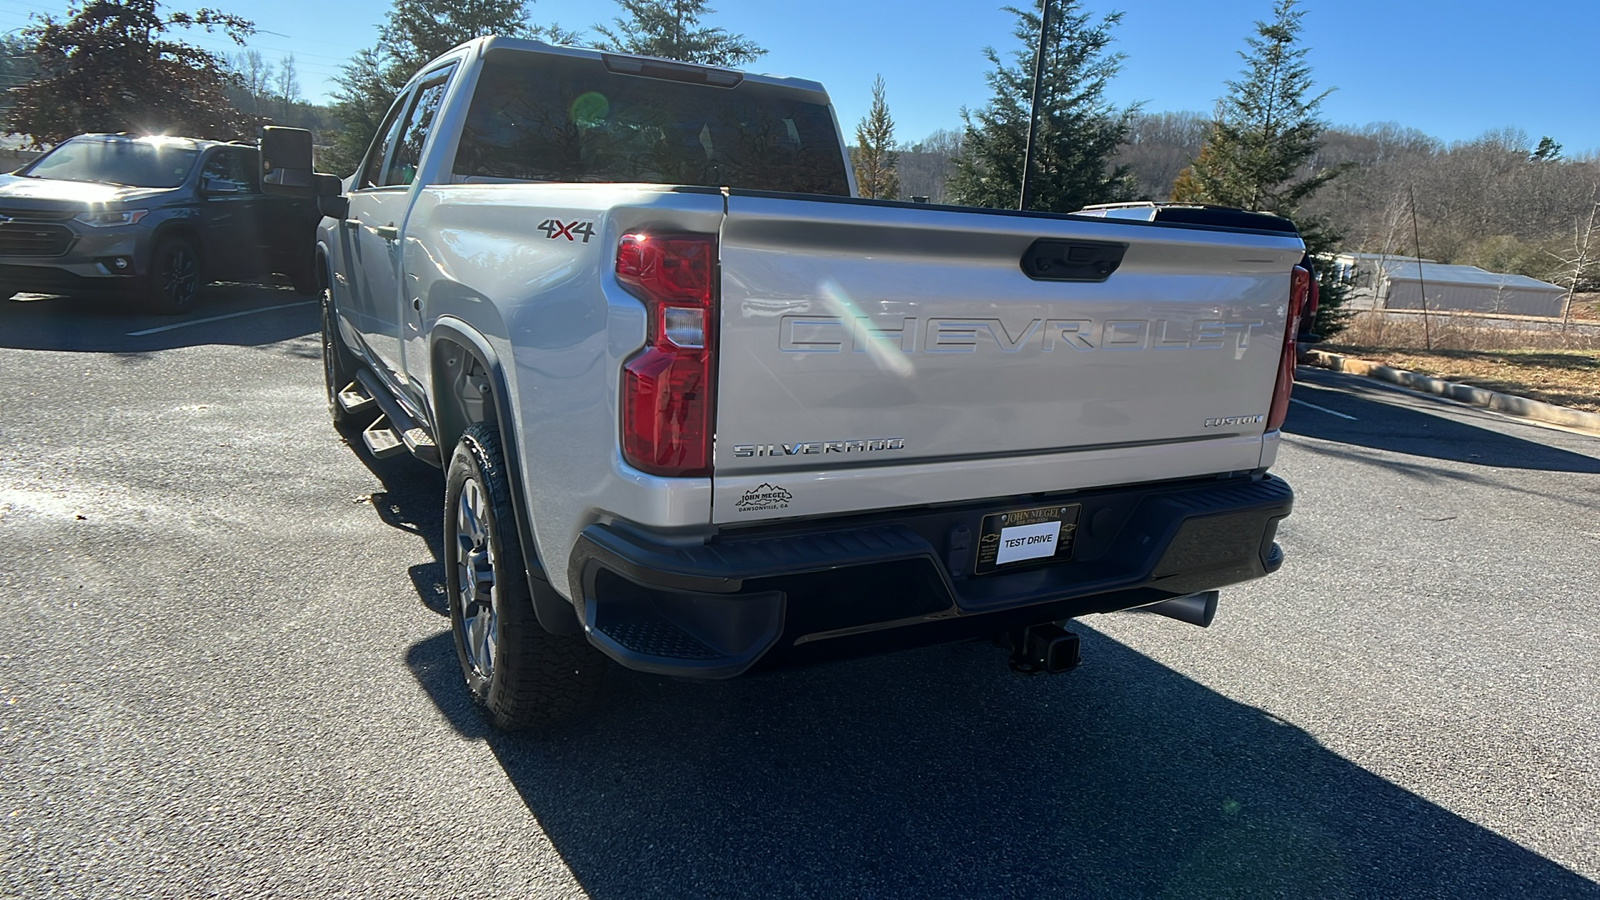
[1422, 286]
[1033, 109]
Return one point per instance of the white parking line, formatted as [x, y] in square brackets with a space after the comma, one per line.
[1323, 409]
[248, 312]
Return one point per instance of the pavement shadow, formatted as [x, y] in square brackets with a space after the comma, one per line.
[1381, 424]
[939, 774]
[246, 315]
[412, 501]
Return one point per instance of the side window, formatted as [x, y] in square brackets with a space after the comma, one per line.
[402, 168]
[234, 166]
[387, 135]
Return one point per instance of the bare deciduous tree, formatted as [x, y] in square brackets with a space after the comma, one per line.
[925, 166]
[1159, 147]
[288, 85]
[256, 76]
[1578, 260]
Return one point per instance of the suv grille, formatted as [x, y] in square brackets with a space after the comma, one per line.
[22, 239]
[28, 214]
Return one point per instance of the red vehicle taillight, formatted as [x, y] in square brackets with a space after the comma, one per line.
[1299, 292]
[666, 389]
[1308, 312]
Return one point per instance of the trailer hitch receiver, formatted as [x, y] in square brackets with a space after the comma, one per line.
[1046, 649]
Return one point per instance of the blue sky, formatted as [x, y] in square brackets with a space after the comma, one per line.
[1453, 70]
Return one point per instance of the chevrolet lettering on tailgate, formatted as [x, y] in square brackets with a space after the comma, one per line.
[834, 334]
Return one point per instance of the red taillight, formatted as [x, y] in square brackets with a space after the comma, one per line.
[666, 389]
[1299, 292]
[1308, 312]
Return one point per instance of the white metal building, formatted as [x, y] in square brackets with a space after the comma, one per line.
[1402, 282]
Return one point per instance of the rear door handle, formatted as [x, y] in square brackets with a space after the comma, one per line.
[387, 232]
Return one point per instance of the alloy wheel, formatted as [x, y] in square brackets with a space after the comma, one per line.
[480, 621]
[179, 276]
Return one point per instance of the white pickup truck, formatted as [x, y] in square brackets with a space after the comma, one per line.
[703, 410]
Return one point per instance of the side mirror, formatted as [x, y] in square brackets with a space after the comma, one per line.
[331, 200]
[286, 169]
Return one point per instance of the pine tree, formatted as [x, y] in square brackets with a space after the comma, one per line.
[670, 29]
[415, 32]
[1266, 129]
[1079, 130]
[876, 162]
[1549, 150]
[1262, 142]
[364, 93]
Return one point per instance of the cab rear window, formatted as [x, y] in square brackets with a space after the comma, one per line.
[540, 117]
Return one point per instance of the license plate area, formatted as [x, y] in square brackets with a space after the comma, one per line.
[1026, 537]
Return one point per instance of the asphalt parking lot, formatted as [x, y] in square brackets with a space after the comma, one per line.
[225, 671]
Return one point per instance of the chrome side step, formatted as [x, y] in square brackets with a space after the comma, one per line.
[395, 431]
[381, 440]
[420, 443]
[353, 398]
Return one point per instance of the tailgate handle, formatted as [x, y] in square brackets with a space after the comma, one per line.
[1056, 260]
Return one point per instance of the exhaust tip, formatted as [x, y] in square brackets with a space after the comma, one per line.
[1196, 609]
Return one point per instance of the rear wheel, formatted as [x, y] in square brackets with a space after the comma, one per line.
[174, 276]
[518, 673]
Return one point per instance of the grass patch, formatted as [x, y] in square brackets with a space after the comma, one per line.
[1525, 359]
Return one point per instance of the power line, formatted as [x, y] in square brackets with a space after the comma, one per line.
[199, 34]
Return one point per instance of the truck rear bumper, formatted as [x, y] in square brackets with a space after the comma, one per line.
[797, 592]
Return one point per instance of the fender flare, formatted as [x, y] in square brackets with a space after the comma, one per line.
[553, 611]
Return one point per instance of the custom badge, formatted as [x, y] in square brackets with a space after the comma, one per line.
[765, 497]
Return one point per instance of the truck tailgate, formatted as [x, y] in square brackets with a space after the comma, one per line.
[864, 345]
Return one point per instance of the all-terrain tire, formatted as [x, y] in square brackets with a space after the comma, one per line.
[519, 674]
[175, 276]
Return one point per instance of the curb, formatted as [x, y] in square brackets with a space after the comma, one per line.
[1522, 407]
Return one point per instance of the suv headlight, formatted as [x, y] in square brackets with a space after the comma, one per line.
[106, 218]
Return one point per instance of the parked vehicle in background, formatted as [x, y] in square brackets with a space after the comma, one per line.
[703, 411]
[153, 219]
